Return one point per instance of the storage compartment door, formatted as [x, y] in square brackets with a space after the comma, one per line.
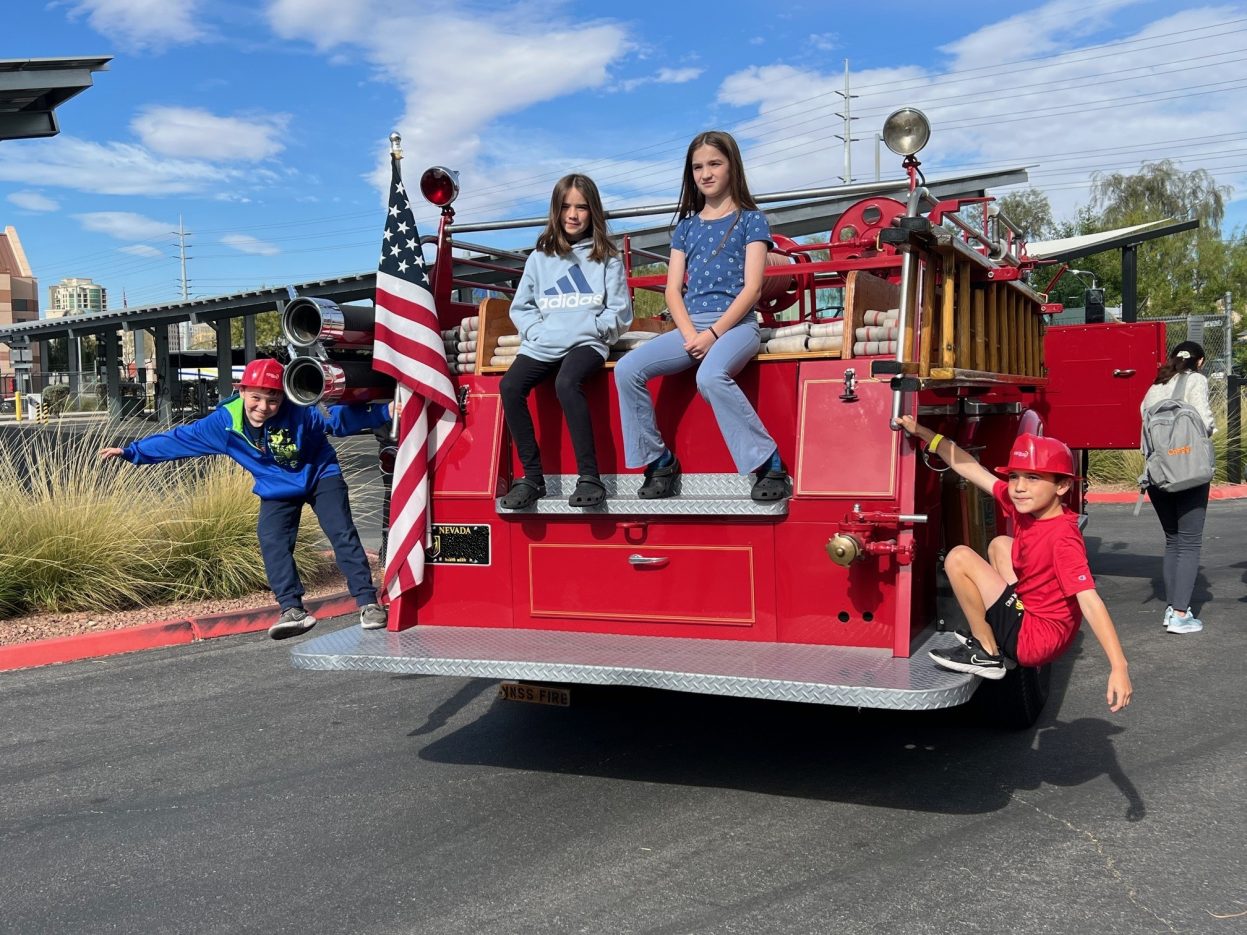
[1097, 375]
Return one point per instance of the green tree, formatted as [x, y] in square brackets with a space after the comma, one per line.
[267, 331]
[1157, 191]
[1030, 210]
[1182, 274]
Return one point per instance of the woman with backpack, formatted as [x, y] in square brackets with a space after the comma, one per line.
[1181, 512]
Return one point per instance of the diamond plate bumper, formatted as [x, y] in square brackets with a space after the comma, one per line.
[700, 495]
[835, 675]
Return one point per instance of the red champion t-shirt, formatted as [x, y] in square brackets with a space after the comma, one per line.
[1050, 559]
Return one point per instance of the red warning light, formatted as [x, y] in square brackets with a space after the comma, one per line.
[439, 186]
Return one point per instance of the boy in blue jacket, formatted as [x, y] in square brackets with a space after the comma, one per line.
[286, 449]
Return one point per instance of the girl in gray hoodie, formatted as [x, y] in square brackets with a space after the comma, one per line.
[570, 305]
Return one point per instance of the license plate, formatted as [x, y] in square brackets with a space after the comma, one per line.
[459, 544]
[535, 694]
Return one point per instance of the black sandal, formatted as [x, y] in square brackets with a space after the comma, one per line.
[523, 494]
[771, 485]
[661, 482]
[590, 491]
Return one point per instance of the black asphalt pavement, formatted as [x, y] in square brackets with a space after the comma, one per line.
[212, 788]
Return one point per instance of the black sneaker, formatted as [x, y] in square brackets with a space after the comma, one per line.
[966, 638]
[970, 658]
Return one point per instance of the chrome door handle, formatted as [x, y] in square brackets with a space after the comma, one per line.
[1124, 374]
[647, 561]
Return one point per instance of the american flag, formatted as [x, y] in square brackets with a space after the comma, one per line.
[408, 346]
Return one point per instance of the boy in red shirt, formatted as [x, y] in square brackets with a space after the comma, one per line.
[1024, 604]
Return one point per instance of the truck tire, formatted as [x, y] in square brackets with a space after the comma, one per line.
[1015, 701]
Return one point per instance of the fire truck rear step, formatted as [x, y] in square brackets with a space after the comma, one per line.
[700, 495]
[835, 675]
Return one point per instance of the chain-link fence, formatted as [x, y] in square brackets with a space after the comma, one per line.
[1212, 332]
[1225, 390]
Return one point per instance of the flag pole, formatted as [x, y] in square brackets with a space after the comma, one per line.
[396, 157]
[391, 440]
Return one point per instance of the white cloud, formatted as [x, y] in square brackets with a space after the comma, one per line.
[33, 201]
[124, 225]
[188, 132]
[1069, 111]
[662, 76]
[448, 107]
[142, 23]
[111, 169]
[140, 249]
[825, 41]
[1053, 27]
[245, 243]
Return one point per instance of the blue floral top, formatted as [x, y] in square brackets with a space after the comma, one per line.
[715, 255]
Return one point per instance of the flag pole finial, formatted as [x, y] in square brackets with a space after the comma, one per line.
[396, 148]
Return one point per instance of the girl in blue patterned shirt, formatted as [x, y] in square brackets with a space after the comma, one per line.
[721, 240]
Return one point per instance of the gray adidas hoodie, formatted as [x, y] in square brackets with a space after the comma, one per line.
[564, 302]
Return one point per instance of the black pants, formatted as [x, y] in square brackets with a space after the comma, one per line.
[279, 527]
[1181, 515]
[570, 373]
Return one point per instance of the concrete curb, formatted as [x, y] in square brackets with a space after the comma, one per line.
[1219, 492]
[161, 633]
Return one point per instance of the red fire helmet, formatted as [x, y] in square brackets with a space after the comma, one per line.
[264, 373]
[1039, 454]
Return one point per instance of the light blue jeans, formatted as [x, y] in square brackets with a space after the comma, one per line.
[748, 441]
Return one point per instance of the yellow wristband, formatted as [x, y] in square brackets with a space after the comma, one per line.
[934, 443]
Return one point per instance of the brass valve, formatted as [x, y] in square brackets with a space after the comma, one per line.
[844, 549]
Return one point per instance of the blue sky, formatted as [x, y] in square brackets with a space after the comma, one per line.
[264, 124]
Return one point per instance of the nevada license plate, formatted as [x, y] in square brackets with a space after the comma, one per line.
[535, 694]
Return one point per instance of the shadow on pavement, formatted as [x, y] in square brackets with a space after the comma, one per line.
[934, 761]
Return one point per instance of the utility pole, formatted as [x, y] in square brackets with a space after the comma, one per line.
[184, 331]
[848, 137]
[181, 234]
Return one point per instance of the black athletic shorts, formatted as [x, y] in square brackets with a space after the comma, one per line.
[1005, 619]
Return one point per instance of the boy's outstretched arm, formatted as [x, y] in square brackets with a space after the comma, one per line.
[960, 461]
[204, 436]
[348, 419]
[1119, 687]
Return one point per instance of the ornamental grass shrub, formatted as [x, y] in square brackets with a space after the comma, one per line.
[78, 533]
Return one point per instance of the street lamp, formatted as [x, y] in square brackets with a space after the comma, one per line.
[1083, 272]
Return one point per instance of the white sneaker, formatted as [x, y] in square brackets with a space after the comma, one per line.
[1184, 623]
[373, 616]
[1168, 616]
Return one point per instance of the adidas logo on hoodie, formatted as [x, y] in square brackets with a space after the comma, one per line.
[570, 292]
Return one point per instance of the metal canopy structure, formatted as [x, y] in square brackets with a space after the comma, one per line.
[803, 217]
[790, 213]
[208, 310]
[32, 88]
[1125, 239]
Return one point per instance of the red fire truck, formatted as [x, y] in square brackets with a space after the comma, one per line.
[833, 596]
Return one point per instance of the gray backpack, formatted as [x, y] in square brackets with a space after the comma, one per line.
[1175, 444]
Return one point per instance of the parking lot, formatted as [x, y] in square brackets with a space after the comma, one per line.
[213, 788]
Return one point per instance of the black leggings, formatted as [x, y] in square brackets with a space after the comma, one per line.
[525, 373]
[1182, 517]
